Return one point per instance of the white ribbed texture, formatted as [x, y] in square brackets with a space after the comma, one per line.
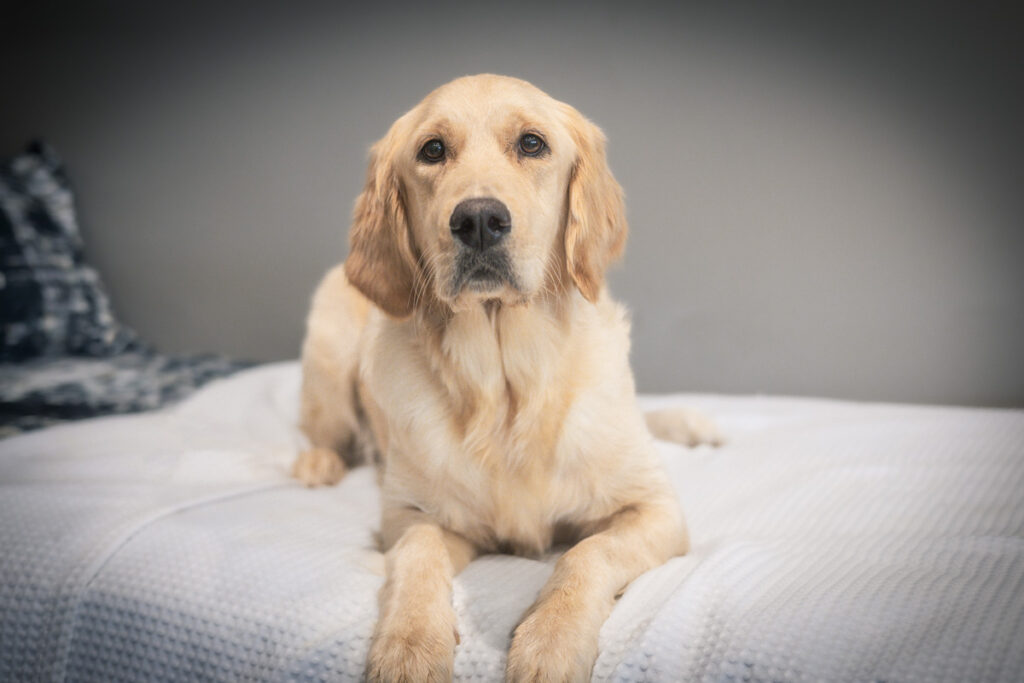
[832, 542]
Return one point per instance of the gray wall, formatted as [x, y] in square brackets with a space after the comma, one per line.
[822, 202]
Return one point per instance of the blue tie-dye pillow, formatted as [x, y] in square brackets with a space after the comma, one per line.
[51, 302]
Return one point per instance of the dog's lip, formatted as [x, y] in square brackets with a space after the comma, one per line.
[484, 271]
[483, 278]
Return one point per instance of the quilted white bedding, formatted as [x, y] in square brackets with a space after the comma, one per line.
[832, 541]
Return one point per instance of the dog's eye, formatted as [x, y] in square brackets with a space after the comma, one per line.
[531, 145]
[433, 151]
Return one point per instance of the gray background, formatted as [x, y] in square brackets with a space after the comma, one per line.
[823, 201]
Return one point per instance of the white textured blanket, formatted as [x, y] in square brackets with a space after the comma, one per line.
[832, 541]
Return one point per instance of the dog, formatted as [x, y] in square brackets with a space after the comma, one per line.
[468, 345]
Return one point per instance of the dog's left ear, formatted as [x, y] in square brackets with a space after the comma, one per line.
[596, 228]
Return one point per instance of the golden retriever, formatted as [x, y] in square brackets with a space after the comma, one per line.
[469, 345]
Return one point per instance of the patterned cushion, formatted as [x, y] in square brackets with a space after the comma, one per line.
[51, 302]
[48, 391]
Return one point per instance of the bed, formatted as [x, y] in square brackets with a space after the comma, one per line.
[832, 541]
[149, 529]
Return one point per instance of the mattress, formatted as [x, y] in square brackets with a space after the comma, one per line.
[831, 541]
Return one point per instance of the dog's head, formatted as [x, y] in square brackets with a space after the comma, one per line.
[488, 189]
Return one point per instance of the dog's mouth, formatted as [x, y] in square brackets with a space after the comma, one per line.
[483, 272]
[484, 279]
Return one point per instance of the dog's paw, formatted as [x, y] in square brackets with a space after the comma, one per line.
[551, 646]
[683, 426]
[318, 467]
[410, 649]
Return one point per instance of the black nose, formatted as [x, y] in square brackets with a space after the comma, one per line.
[480, 223]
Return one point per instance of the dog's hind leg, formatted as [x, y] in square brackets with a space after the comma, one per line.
[331, 415]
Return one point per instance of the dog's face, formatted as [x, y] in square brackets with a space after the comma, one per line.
[487, 190]
[485, 167]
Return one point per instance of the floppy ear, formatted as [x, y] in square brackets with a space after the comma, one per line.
[596, 228]
[380, 261]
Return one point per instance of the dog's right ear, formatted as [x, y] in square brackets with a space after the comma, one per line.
[380, 261]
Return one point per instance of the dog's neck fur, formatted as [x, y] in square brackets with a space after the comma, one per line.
[499, 382]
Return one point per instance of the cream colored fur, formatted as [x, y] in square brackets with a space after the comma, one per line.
[506, 418]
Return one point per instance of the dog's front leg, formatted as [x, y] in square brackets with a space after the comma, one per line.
[557, 639]
[416, 632]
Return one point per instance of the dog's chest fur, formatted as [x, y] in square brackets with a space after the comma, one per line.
[487, 454]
